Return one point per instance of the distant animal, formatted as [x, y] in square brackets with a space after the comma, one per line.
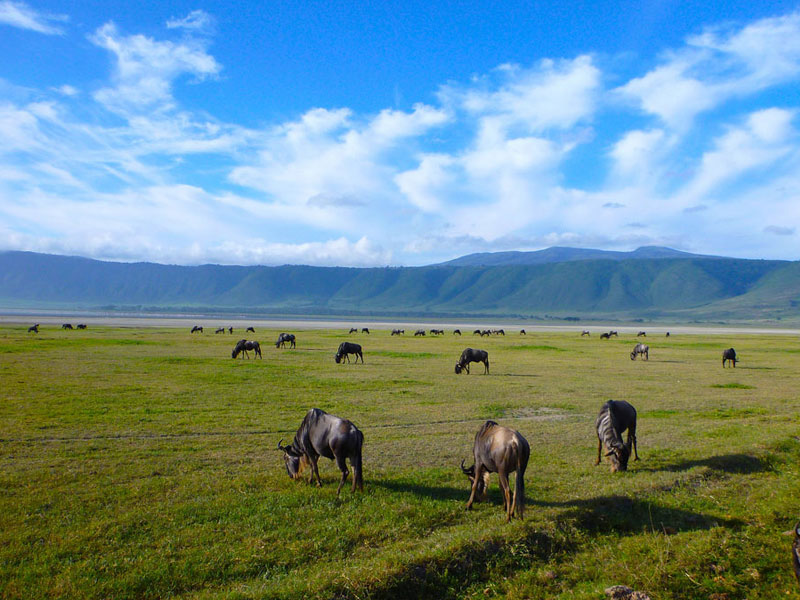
[437, 331]
[220, 330]
[419, 332]
[641, 334]
[615, 417]
[243, 346]
[353, 330]
[667, 334]
[346, 349]
[34, 328]
[323, 434]
[498, 332]
[486, 333]
[66, 326]
[283, 338]
[522, 332]
[81, 326]
[605, 336]
[730, 356]
[196, 329]
[499, 450]
[585, 332]
[248, 330]
[230, 330]
[614, 333]
[795, 549]
[365, 330]
[398, 331]
[456, 332]
[477, 332]
[641, 350]
[470, 355]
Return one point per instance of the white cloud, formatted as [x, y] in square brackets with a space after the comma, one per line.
[197, 21]
[19, 14]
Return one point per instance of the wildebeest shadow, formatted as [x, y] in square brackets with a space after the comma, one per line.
[727, 463]
[516, 374]
[435, 492]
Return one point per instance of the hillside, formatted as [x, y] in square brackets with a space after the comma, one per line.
[684, 288]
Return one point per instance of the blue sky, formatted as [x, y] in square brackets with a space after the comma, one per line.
[334, 133]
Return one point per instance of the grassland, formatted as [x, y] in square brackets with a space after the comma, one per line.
[141, 463]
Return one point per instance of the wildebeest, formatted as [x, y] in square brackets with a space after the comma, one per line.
[614, 418]
[641, 349]
[249, 330]
[230, 330]
[486, 333]
[437, 331]
[283, 338]
[498, 332]
[456, 332]
[641, 334]
[419, 332]
[220, 330]
[196, 329]
[398, 331]
[585, 332]
[614, 333]
[34, 328]
[81, 326]
[605, 336]
[365, 330]
[322, 434]
[242, 346]
[667, 334]
[66, 326]
[730, 356]
[353, 330]
[471, 355]
[522, 332]
[346, 349]
[499, 450]
[477, 332]
[795, 549]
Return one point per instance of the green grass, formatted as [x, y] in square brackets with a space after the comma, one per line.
[141, 463]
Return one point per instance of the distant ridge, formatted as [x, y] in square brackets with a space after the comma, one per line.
[558, 254]
[649, 283]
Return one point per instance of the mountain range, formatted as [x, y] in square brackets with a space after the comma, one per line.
[650, 283]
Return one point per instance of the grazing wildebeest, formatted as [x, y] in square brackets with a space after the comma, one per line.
[365, 330]
[477, 332]
[249, 330]
[456, 332]
[283, 338]
[667, 334]
[605, 336]
[499, 332]
[353, 330]
[614, 418]
[197, 328]
[322, 434]
[641, 334]
[610, 333]
[34, 328]
[486, 333]
[419, 332]
[795, 549]
[346, 349]
[585, 332]
[437, 331]
[499, 450]
[230, 330]
[522, 332]
[730, 356]
[641, 349]
[471, 355]
[66, 326]
[220, 330]
[81, 326]
[398, 331]
[242, 346]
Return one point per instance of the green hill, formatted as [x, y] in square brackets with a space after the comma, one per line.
[678, 287]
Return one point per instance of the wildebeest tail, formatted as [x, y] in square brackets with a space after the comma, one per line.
[358, 479]
[519, 483]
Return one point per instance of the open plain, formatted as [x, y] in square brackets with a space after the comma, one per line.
[142, 463]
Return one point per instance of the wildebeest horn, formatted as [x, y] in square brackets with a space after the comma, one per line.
[279, 445]
[462, 467]
[609, 453]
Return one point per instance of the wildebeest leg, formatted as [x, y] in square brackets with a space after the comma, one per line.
[632, 441]
[342, 464]
[466, 368]
[478, 477]
[503, 476]
[486, 366]
[599, 449]
[314, 471]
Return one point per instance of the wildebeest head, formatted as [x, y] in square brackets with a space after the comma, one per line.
[338, 358]
[619, 455]
[295, 463]
[458, 368]
[483, 484]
